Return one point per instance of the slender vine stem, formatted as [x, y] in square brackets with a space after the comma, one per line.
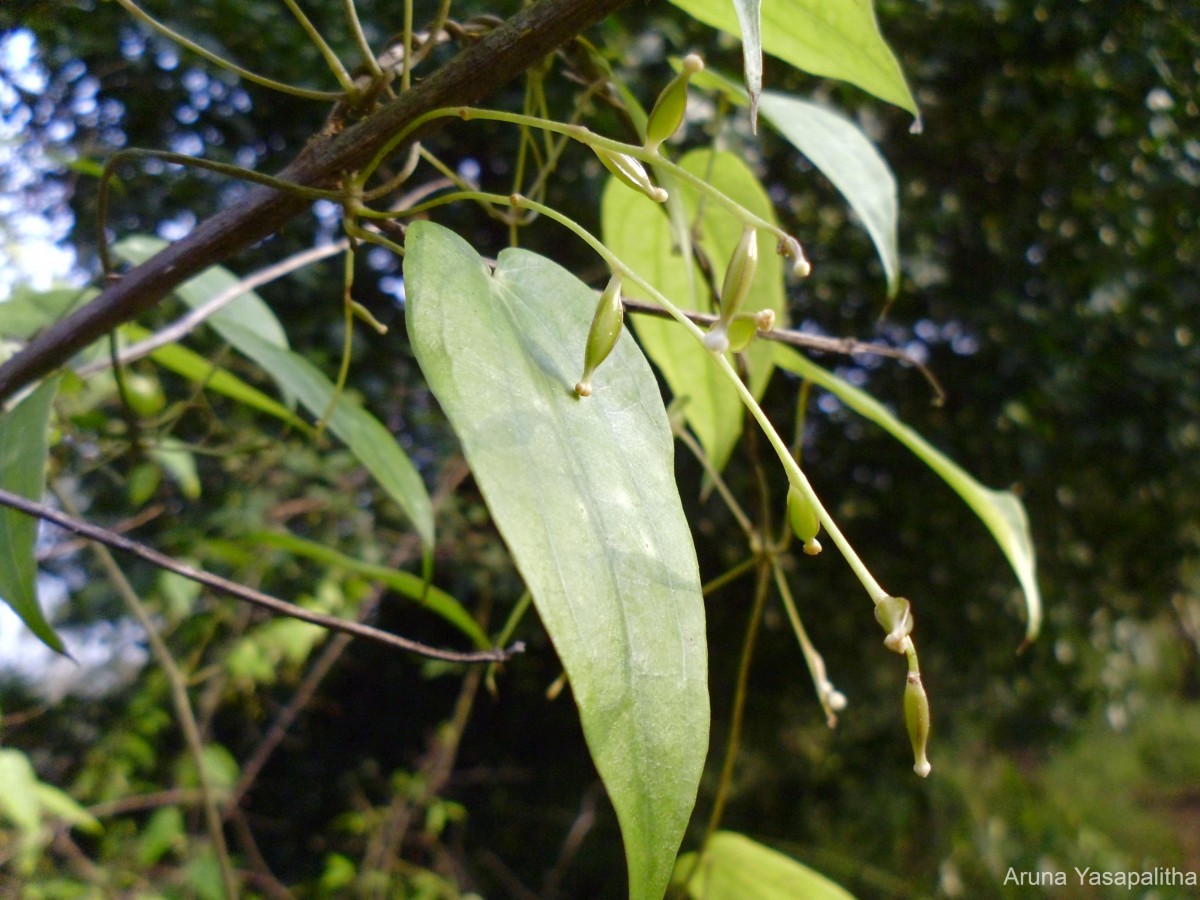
[138, 13]
[331, 58]
[364, 47]
[180, 159]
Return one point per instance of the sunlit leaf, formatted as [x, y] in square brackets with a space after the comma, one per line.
[832, 38]
[23, 472]
[845, 155]
[1001, 511]
[736, 868]
[638, 232]
[360, 431]
[583, 492]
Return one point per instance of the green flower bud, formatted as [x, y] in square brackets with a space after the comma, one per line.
[803, 518]
[895, 615]
[739, 275]
[667, 114]
[631, 172]
[916, 718]
[602, 336]
[790, 248]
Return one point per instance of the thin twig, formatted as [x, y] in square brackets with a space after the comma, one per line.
[844, 346]
[241, 592]
[183, 711]
[184, 325]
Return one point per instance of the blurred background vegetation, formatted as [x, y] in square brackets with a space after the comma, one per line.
[1050, 245]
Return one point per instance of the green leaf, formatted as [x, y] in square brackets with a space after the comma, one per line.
[845, 155]
[736, 868]
[832, 38]
[638, 232]
[404, 583]
[248, 314]
[180, 463]
[249, 311]
[28, 311]
[358, 429]
[583, 492]
[18, 792]
[23, 471]
[1001, 511]
[749, 16]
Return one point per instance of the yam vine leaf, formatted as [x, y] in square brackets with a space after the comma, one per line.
[23, 472]
[583, 492]
[831, 38]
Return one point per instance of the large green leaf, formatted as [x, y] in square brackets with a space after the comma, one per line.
[832, 38]
[638, 232]
[366, 437]
[837, 147]
[736, 868]
[583, 492]
[1001, 511]
[23, 471]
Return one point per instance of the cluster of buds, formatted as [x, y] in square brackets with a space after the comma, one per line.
[602, 336]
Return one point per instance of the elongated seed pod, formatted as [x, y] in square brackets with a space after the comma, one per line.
[667, 115]
[602, 336]
[631, 172]
[916, 719]
[803, 518]
[739, 275]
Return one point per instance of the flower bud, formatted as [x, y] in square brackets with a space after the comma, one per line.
[602, 336]
[916, 719]
[790, 248]
[803, 518]
[745, 326]
[631, 172]
[739, 275]
[667, 115]
[895, 615]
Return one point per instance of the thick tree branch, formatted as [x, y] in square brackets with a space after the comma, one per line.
[495, 59]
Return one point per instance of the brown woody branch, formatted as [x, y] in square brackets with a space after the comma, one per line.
[241, 592]
[496, 58]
